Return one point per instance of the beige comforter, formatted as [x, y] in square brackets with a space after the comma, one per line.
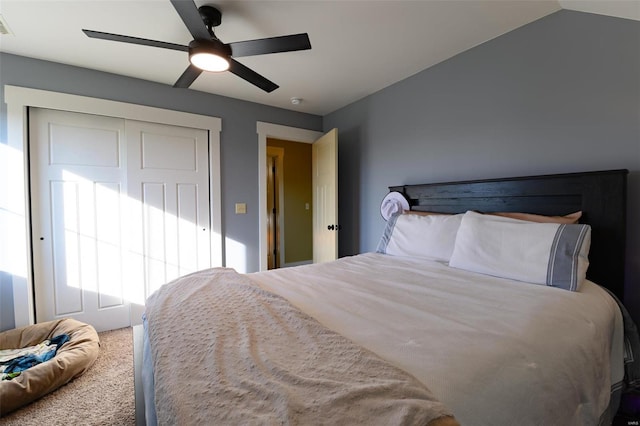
[496, 352]
[227, 352]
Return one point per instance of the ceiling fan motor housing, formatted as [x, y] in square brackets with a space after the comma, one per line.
[211, 16]
[209, 46]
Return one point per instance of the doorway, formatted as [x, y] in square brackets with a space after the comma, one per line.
[289, 203]
[324, 159]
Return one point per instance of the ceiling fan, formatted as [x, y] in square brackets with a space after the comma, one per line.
[208, 53]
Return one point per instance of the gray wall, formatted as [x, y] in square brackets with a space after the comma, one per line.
[559, 95]
[239, 141]
[6, 302]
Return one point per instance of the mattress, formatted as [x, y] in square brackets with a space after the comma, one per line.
[494, 351]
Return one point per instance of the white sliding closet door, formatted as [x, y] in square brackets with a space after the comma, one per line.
[169, 185]
[78, 189]
[119, 207]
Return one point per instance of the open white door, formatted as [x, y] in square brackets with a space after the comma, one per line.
[324, 158]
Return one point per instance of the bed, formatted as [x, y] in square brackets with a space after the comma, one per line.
[436, 340]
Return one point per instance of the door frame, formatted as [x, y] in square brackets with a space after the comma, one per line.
[278, 154]
[275, 131]
[18, 100]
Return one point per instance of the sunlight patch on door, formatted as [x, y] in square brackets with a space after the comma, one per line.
[120, 259]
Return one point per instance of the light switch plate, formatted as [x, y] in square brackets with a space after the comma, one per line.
[241, 208]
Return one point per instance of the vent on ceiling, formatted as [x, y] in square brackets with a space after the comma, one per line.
[4, 28]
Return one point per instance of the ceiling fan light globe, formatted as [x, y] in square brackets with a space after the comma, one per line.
[209, 62]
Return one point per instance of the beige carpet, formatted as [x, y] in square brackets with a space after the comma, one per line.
[101, 396]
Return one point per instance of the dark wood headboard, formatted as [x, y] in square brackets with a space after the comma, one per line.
[600, 195]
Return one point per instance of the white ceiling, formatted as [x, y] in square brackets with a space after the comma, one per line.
[358, 46]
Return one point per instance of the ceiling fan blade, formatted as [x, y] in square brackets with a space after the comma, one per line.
[263, 46]
[188, 76]
[251, 76]
[135, 40]
[190, 15]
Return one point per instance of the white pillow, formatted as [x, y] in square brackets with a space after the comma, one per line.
[426, 236]
[540, 253]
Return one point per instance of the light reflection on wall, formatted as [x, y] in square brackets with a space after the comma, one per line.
[13, 240]
[236, 255]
